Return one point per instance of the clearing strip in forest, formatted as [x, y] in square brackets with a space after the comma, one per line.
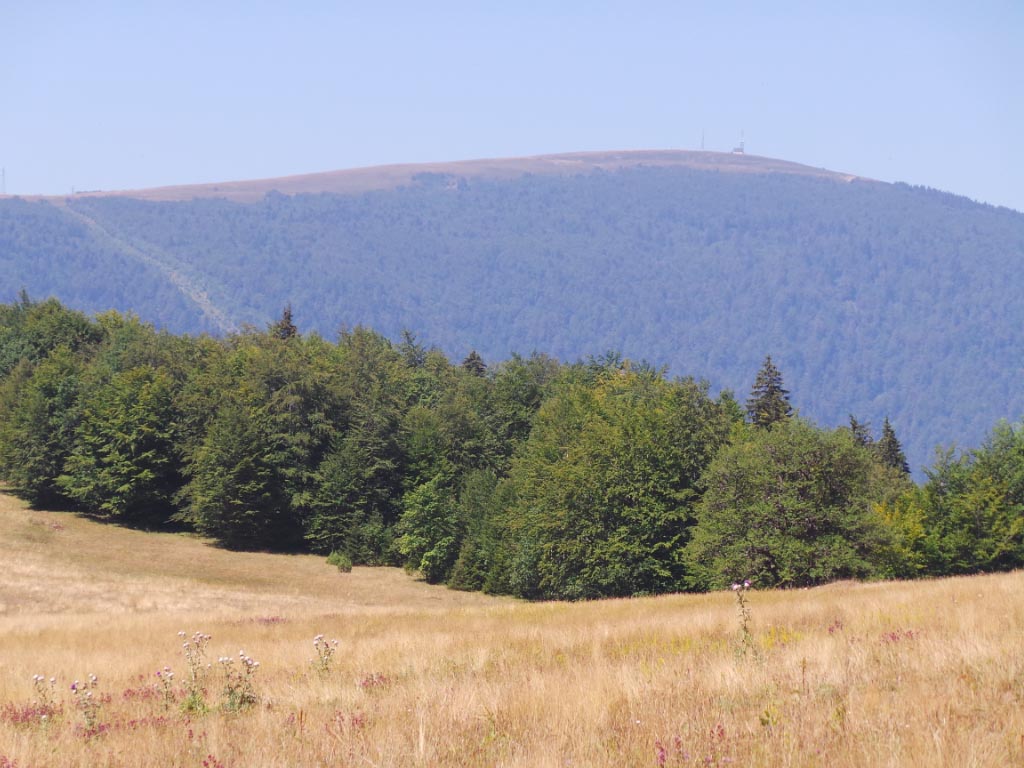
[167, 265]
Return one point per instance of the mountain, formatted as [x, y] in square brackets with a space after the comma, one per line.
[383, 177]
[873, 299]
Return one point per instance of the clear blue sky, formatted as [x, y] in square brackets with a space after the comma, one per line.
[116, 94]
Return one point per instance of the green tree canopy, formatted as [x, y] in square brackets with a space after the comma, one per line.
[39, 412]
[267, 413]
[788, 507]
[124, 464]
[604, 487]
[359, 483]
[972, 516]
[31, 330]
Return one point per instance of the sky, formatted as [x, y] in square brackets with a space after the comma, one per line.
[128, 94]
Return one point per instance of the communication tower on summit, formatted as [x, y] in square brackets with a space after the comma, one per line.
[738, 150]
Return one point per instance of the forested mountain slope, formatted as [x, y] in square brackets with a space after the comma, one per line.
[872, 298]
[48, 252]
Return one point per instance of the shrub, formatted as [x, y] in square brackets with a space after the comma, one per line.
[340, 559]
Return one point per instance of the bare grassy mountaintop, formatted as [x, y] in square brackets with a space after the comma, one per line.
[356, 180]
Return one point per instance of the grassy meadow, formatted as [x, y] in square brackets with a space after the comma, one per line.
[923, 673]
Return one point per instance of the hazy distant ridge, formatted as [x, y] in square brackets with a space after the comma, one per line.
[382, 177]
[875, 299]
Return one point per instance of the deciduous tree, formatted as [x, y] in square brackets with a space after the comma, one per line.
[787, 507]
[604, 487]
[124, 464]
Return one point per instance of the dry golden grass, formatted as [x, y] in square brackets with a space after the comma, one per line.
[928, 673]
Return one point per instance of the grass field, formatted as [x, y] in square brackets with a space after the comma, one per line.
[925, 674]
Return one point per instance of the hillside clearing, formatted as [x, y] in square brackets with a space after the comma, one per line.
[923, 673]
[64, 564]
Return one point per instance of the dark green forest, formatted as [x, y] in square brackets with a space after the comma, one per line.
[882, 300]
[527, 476]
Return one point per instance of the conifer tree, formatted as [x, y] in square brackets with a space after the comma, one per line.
[861, 431]
[890, 452]
[285, 327]
[413, 352]
[769, 401]
[475, 364]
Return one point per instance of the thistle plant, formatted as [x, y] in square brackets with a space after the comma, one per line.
[194, 649]
[324, 655]
[745, 644]
[42, 711]
[86, 703]
[166, 678]
[46, 693]
[239, 691]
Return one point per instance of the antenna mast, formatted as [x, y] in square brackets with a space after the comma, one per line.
[740, 149]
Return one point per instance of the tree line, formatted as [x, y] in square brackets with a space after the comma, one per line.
[529, 477]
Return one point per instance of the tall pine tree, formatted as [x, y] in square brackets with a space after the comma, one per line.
[475, 364]
[285, 328]
[769, 401]
[890, 452]
[861, 431]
